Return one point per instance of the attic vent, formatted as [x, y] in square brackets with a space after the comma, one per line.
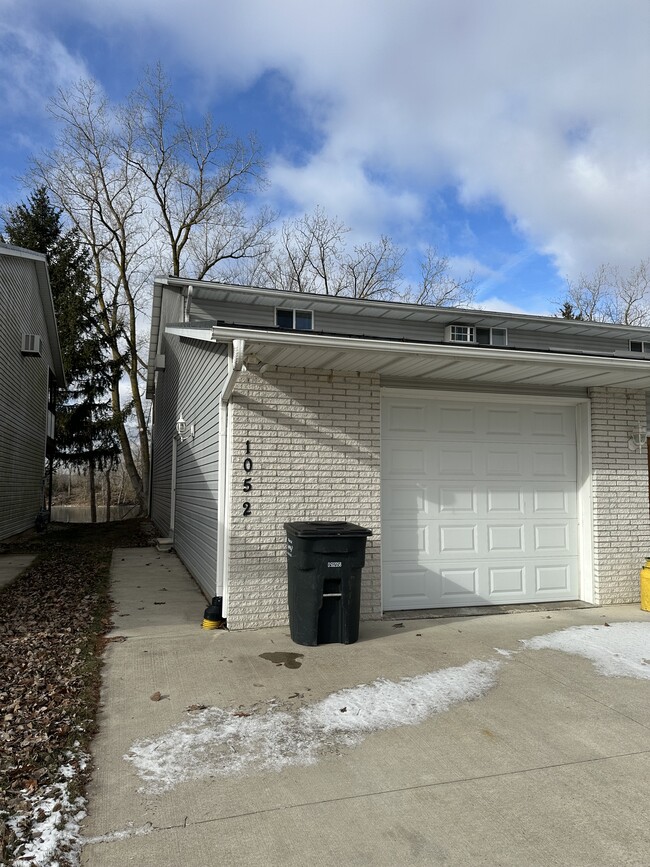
[31, 344]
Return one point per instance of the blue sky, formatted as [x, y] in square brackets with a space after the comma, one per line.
[512, 135]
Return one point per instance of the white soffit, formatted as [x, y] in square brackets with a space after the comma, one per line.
[433, 362]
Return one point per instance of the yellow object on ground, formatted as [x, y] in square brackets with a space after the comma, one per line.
[212, 624]
[645, 586]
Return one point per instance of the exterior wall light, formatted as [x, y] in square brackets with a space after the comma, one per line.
[183, 431]
[636, 439]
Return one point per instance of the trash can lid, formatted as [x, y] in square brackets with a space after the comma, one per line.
[325, 529]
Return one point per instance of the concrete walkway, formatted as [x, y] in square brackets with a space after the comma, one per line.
[549, 767]
[11, 565]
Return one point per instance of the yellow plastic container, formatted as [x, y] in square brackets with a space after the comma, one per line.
[645, 586]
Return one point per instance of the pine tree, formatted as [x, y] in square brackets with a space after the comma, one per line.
[85, 428]
[568, 311]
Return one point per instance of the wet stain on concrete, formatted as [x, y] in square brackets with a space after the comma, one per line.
[279, 657]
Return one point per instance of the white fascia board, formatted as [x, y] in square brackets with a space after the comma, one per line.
[194, 333]
[224, 334]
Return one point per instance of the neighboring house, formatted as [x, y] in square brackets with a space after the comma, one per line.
[30, 370]
[497, 458]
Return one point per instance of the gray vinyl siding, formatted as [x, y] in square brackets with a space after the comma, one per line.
[263, 316]
[190, 384]
[23, 396]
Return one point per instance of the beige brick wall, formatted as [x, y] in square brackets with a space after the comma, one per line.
[314, 448]
[621, 529]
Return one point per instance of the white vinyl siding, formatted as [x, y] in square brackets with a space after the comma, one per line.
[191, 385]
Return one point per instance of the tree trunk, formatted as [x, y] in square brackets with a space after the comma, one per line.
[93, 493]
[108, 495]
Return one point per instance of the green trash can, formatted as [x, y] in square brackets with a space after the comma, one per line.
[324, 563]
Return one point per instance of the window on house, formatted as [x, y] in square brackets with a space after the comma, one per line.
[639, 346]
[297, 320]
[461, 333]
[473, 334]
[492, 336]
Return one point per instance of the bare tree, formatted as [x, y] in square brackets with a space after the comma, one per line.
[310, 255]
[610, 295]
[147, 191]
[438, 287]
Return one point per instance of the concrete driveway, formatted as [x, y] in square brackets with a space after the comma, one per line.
[530, 757]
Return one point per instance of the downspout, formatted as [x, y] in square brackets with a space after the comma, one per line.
[188, 303]
[235, 368]
[172, 504]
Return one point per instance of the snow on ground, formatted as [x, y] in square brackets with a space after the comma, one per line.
[222, 742]
[617, 650]
[49, 831]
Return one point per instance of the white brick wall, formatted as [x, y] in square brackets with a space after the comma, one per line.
[621, 528]
[314, 448]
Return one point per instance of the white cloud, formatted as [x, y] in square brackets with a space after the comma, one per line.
[537, 106]
[33, 65]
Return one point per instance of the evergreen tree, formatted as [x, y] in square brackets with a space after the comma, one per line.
[85, 428]
[568, 311]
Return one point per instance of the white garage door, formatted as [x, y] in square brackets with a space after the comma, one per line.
[479, 502]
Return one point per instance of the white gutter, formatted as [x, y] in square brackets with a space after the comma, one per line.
[235, 368]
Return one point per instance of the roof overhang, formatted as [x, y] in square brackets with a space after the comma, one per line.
[437, 363]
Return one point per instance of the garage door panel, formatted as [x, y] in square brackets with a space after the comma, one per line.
[458, 538]
[456, 420]
[408, 540]
[551, 538]
[454, 461]
[506, 580]
[408, 419]
[458, 585]
[553, 423]
[482, 508]
[553, 501]
[412, 585]
[558, 463]
[505, 537]
[457, 500]
[406, 461]
[504, 501]
[406, 500]
[553, 578]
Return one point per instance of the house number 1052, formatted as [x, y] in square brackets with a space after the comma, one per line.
[248, 479]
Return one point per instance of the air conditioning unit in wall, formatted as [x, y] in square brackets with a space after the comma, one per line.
[460, 334]
[32, 344]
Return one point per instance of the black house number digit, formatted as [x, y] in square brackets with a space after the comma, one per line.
[248, 481]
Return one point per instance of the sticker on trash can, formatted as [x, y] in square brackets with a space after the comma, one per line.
[334, 564]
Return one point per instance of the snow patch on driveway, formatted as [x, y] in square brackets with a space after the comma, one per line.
[618, 650]
[219, 742]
